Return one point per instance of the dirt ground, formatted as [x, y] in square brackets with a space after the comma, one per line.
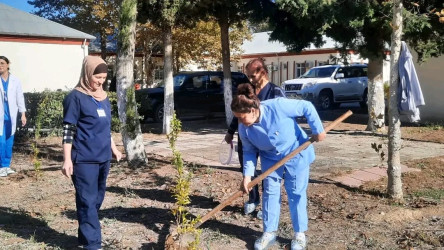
[37, 209]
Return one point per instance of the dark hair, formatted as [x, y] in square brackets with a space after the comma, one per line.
[259, 60]
[245, 99]
[101, 68]
[6, 59]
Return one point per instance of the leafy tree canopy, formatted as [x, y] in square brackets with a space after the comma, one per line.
[91, 16]
[361, 25]
[202, 44]
[94, 16]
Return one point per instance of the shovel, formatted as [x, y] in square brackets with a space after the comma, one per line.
[270, 170]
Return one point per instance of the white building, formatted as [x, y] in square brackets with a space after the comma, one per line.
[283, 65]
[43, 54]
[432, 86]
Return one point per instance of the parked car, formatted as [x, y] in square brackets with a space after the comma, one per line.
[195, 93]
[330, 85]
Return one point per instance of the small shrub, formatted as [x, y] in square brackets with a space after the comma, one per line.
[182, 189]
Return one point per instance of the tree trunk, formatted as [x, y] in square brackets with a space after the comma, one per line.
[149, 69]
[103, 40]
[168, 79]
[225, 42]
[394, 186]
[176, 63]
[126, 102]
[376, 103]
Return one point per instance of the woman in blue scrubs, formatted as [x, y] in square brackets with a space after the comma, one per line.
[257, 73]
[88, 147]
[269, 128]
[12, 102]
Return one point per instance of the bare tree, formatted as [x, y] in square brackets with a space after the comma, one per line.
[225, 42]
[168, 111]
[126, 102]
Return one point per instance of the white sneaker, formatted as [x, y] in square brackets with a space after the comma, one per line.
[265, 241]
[3, 172]
[10, 171]
[250, 207]
[259, 215]
[298, 242]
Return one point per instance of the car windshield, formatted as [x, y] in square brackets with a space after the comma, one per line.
[177, 80]
[319, 72]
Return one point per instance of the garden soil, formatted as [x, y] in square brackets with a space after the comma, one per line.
[37, 208]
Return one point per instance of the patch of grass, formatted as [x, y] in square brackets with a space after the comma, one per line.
[435, 126]
[109, 221]
[6, 235]
[130, 193]
[429, 238]
[215, 236]
[209, 170]
[286, 229]
[421, 165]
[193, 167]
[435, 194]
[431, 127]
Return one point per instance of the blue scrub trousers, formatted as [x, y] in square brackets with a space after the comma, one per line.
[90, 183]
[6, 143]
[296, 188]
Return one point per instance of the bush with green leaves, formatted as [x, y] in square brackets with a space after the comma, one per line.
[49, 104]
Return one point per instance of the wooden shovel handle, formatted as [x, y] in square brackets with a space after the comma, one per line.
[258, 179]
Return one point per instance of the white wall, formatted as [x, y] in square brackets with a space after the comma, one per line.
[432, 85]
[44, 66]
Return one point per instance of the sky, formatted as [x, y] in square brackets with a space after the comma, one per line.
[19, 4]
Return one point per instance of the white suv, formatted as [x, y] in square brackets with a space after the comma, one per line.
[330, 85]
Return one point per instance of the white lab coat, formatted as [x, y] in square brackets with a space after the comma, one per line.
[16, 102]
[410, 95]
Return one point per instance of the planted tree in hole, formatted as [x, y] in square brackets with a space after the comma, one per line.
[181, 190]
[41, 110]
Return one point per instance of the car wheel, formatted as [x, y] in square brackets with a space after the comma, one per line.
[325, 100]
[364, 101]
[158, 113]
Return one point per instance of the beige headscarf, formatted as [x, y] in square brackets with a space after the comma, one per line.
[89, 65]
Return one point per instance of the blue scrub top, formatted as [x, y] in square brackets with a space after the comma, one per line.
[277, 134]
[92, 142]
[5, 103]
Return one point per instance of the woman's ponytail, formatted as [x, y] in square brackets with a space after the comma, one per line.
[245, 99]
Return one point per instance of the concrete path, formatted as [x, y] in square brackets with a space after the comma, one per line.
[341, 151]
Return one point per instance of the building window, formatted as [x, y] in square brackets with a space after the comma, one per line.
[158, 74]
[300, 69]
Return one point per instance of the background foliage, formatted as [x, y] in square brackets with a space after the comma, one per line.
[51, 110]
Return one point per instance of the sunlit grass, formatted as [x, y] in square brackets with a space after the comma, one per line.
[436, 194]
